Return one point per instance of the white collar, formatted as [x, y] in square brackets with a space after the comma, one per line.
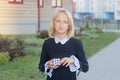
[63, 41]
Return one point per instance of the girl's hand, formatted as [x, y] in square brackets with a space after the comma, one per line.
[66, 61]
[51, 64]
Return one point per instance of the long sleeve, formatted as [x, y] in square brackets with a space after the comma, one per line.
[80, 54]
[48, 71]
[75, 66]
[43, 58]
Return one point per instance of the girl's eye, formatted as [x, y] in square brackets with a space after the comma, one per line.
[57, 20]
[65, 22]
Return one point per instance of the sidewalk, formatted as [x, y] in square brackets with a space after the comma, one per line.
[105, 65]
[109, 30]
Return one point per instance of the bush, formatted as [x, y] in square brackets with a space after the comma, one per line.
[4, 57]
[14, 46]
[4, 44]
[98, 30]
[17, 47]
[43, 34]
[78, 31]
[87, 26]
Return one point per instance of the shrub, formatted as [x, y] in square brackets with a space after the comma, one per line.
[43, 34]
[4, 44]
[4, 57]
[78, 31]
[17, 47]
[87, 26]
[98, 30]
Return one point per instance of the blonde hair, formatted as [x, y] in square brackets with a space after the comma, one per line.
[51, 30]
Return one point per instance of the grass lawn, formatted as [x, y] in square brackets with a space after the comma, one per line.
[26, 68]
[92, 46]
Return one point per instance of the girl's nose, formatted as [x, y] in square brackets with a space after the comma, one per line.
[61, 24]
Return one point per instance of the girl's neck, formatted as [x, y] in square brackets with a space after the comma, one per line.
[60, 37]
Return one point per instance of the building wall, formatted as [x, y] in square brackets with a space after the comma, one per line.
[47, 10]
[83, 6]
[99, 7]
[110, 5]
[80, 6]
[23, 18]
[18, 18]
[117, 10]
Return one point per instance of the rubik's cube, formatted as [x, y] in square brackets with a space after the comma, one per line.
[57, 61]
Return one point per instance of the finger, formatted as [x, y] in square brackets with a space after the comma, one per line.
[52, 61]
[63, 60]
[67, 64]
[54, 67]
[64, 63]
[50, 64]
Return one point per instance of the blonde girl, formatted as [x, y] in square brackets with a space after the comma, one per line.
[62, 55]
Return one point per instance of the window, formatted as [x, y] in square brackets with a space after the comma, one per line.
[41, 3]
[56, 3]
[59, 3]
[53, 3]
[16, 1]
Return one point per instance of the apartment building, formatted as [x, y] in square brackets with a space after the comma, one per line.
[102, 9]
[117, 10]
[109, 9]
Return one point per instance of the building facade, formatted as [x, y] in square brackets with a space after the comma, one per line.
[28, 16]
[109, 9]
[102, 9]
[117, 9]
[18, 16]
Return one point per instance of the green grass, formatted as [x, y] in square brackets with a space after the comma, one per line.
[26, 68]
[23, 68]
[92, 46]
[33, 41]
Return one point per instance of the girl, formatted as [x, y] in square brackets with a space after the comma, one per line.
[62, 55]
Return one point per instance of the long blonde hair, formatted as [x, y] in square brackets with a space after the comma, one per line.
[51, 30]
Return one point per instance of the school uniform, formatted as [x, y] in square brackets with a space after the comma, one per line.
[68, 47]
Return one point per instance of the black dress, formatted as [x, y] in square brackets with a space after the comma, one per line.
[52, 50]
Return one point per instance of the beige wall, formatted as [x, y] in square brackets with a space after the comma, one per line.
[18, 18]
[23, 18]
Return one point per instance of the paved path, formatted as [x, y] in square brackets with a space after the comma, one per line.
[109, 30]
[105, 65]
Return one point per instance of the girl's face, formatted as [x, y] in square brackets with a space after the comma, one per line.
[61, 23]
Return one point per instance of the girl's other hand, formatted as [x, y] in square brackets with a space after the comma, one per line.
[66, 61]
[51, 64]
